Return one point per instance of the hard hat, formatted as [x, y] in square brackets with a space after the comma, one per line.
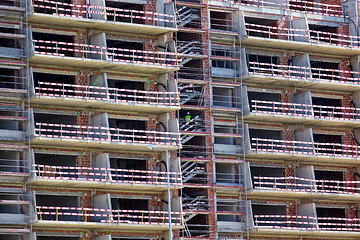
[188, 112]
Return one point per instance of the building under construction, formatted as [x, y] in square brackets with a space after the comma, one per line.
[192, 119]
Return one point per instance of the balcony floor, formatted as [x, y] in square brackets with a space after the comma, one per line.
[108, 145]
[85, 23]
[109, 66]
[322, 48]
[102, 226]
[312, 121]
[309, 83]
[284, 194]
[303, 157]
[307, 233]
[103, 105]
[103, 185]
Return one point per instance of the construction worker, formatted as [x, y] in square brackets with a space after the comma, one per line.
[187, 117]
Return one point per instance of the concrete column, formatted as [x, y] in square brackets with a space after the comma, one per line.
[303, 35]
[98, 3]
[98, 39]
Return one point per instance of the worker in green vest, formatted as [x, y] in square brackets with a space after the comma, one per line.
[187, 117]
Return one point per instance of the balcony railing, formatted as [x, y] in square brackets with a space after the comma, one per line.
[312, 36]
[64, 132]
[112, 55]
[305, 73]
[305, 148]
[107, 216]
[112, 15]
[108, 95]
[108, 175]
[296, 6]
[297, 184]
[295, 223]
[305, 110]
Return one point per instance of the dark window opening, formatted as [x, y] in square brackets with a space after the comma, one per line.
[266, 99]
[326, 102]
[11, 79]
[257, 172]
[41, 81]
[262, 32]
[331, 143]
[262, 64]
[129, 204]
[324, 34]
[325, 70]
[258, 134]
[130, 16]
[58, 201]
[332, 216]
[266, 209]
[220, 21]
[55, 159]
[54, 38]
[55, 118]
[128, 164]
[49, 8]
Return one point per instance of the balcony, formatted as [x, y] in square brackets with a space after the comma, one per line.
[303, 77]
[292, 225]
[105, 219]
[296, 187]
[105, 178]
[117, 60]
[76, 136]
[315, 115]
[331, 153]
[102, 18]
[61, 94]
[297, 7]
[305, 40]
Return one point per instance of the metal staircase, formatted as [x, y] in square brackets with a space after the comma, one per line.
[185, 15]
[191, 169]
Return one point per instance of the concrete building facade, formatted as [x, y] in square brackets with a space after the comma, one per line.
[193, 119]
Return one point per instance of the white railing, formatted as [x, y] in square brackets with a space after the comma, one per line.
[111, 95]
[105, 135]
[291, 34]
[293, 222]
[109, 13]
[305, 110]
[108, 216]
[117, 55]
[297, 184]
[305, 73]
[108, 175]
[304, 148]
[295, 5]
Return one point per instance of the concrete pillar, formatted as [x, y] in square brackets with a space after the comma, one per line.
[98, 3]
[303, 35]
[307, 210]
[98, 39]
